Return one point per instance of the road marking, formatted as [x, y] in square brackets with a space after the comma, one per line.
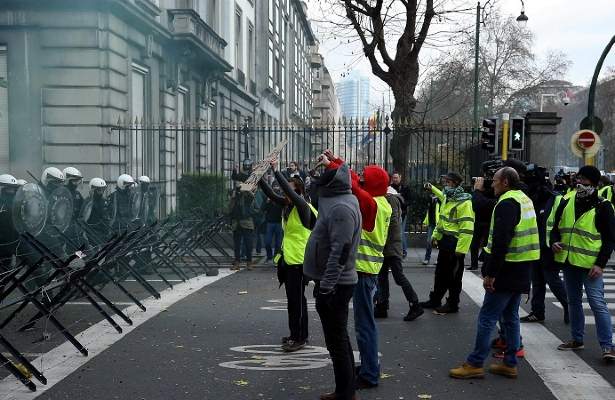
[550, 295]
[566, 375]
[64, 359]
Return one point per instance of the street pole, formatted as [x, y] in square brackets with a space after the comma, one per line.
[476, 53]
[592, 94]
[505, 131]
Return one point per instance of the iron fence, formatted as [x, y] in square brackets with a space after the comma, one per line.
[168, 150]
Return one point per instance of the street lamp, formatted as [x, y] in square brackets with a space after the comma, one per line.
[521, 19]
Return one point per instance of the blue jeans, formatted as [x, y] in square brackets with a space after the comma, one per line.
[365, 327]
[273, 239]
[496, 305]
[404, 237]
[430, 230]
[575, 279]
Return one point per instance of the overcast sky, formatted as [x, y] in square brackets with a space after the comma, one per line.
[581, 29]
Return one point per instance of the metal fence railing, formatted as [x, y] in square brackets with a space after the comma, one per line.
[168, 150]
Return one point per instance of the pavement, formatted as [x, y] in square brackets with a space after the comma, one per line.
[218, 338]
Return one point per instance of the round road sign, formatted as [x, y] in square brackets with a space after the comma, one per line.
[587, 139]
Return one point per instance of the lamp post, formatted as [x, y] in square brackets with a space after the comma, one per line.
[521, 19]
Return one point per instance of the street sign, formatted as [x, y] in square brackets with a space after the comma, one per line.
[585, 143]
[586, 139]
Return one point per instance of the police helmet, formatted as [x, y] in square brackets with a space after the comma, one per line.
[52, 175]
[72, 174]
[98, 183]
[247, 163]
[8, 180]
[21, 182]
[144, 179]
[124, 181]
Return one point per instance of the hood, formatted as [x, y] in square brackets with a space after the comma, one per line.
[391, 190]
[335, 182]
[376, 180]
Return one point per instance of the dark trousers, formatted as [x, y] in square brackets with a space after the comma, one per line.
[479, 240]
[243, 240]
[394, 264]
[449, 272]
[546, 273]
[334, 317]
[297, 303]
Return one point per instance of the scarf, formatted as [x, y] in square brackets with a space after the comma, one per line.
[457, 194]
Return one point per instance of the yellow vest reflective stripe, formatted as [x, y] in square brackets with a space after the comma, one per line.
[370, 254]
[295, 238]
[448, 224]
[606, 193]
[525, 244]
[551, 218]
[581, 240]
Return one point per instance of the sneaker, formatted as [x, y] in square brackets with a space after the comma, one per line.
[503, 370]
[293, 345]
[531, 317]
[571, 345]
[608, 354]
[467, 371]
[235, 266]
[362, 383]
[502, 353]
[415, 311]
[498, 343]
[285, 339]
[425, 262]
[447, 308]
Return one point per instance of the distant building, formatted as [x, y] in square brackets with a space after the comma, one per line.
[353, 93]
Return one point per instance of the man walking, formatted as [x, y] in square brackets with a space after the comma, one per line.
[452, 237]
[404, 192]
[393, 261]
[582, 240]
[330, 260]
[512, 247]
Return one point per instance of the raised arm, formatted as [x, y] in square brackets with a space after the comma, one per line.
[280, 200]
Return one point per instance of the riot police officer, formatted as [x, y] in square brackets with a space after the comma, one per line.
[147, 210]
[9, 237]
[95, 213]
[119, 205]
[73, 179]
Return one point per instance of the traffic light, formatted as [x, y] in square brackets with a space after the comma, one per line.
[517, 134]
[489, 135]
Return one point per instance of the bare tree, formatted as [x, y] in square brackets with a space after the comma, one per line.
[392, 34]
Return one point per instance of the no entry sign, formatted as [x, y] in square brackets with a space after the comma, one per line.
[587, 139]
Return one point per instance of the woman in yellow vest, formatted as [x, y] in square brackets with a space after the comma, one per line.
[298, 219]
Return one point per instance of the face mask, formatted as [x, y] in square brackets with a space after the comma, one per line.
[448, 190]
[584, 191]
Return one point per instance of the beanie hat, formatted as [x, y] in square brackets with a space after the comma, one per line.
[591, 173]
[455, 177]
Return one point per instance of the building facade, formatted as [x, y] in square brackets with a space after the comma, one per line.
[72, 70]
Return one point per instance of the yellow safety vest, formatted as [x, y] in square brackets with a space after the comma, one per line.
[551, 218]
[370, 254]
[295, 238]
[581, 241]
[525, 244]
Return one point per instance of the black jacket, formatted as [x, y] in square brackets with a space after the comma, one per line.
[404, 191]
[509, 276]
[605, 223]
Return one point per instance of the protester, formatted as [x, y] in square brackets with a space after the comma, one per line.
[370, 189]
[582, 240]
[393, 261]
[241, 212]
[273, 222]
[404, 191]
[298, 219]
[293, 171]
[330, 257]
[452, 236]
[512, 247]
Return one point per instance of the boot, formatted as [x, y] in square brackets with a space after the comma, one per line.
[448, 308]
[503, 370]
[467, 371]
[432, 302]
[235, 266]
[380, 311]
[415, 311]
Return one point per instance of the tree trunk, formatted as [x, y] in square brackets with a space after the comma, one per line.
[403, 90]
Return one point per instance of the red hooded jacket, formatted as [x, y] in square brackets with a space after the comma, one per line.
[375, 183]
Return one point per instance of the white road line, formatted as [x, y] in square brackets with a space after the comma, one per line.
[566, 375]
[64, 359]
[550, 295]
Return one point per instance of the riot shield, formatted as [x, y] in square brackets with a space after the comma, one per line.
[60, 213]
[137, 202]
[153, 202]
[30, 209]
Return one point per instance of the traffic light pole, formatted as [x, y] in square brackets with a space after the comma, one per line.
[476, 54]
[505, 132]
